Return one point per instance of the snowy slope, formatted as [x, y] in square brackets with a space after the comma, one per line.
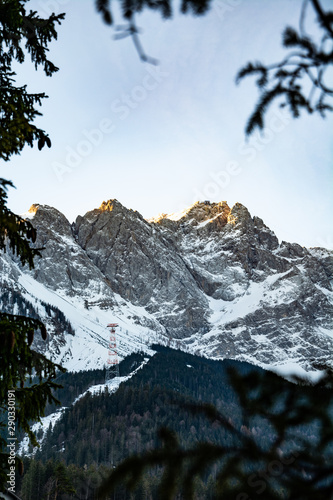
[211, 280]
[40, 428]
[88, 348]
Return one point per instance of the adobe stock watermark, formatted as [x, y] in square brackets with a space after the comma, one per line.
[260, 479]
[11, 440]
[123, 106]
[224, 7]
[51, 6]
[220, 179]
[121, 109]
[75, 155]
[325, 242]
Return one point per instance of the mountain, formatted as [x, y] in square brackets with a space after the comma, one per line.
[212, 280]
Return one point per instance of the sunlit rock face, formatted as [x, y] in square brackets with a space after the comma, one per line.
[212, 278]
[64, 265]
[143, 267]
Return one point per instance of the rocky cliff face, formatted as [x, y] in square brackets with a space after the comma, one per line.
[143, 267]
[64, 264]
[214, 279]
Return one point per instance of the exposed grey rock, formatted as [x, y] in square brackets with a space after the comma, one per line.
[64, 265]
[214, 278]
[143, 267]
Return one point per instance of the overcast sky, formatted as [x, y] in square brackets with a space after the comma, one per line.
[160, 138]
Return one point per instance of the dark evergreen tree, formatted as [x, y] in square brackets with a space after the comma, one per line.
[21, 32]
[33, 483]
[62, 483]
[255, 433]
[286, 463]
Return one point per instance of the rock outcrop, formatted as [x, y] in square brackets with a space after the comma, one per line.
[213, 278]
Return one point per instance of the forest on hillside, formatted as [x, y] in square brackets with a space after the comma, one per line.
[100, 431]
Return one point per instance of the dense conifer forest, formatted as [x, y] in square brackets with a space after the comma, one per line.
[13, 301]
[101, 430]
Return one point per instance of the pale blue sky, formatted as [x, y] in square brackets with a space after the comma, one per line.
[172, 135]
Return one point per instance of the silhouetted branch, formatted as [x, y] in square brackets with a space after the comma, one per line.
[305, 65]
[132, 7]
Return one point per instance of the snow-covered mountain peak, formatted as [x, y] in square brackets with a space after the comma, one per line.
[31, 212]
[108, 211]
[211, 279]
[110, 205]
[43, 211]
[115, 206]
[198, 212]
[53, 222]
[239, 214]
[211, 216]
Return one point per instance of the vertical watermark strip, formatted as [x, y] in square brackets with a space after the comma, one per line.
[11, 439]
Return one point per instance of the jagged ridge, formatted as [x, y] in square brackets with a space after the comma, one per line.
[213, 278]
